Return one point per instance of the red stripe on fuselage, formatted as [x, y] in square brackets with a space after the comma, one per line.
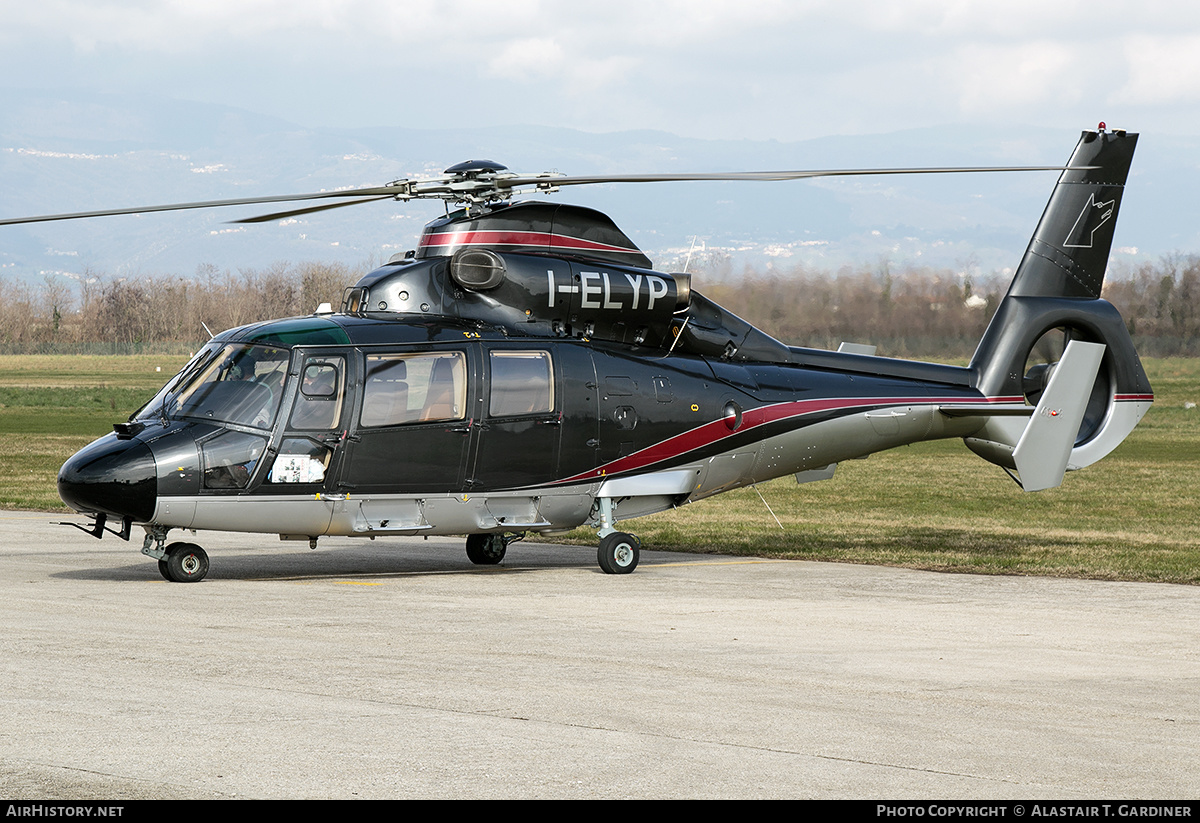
[518, 238]
[717, 430]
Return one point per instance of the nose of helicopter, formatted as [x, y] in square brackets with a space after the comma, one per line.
[113, 475]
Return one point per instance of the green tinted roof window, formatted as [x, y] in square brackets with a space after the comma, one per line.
[301, 331]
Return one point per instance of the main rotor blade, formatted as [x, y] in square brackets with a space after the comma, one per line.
[374, 192]
[282, 215]
[577, 180]
[486, 188]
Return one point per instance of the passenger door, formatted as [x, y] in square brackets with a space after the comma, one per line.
[521, 420]
[414, 429]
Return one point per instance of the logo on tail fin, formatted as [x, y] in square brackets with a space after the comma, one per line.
[1093, 216]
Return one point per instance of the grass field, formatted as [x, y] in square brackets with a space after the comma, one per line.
[932, 506]
[53, 405]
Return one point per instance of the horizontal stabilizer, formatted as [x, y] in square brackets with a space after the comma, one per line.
[1042, 453]
[988, 410]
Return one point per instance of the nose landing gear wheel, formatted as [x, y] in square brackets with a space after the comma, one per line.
[184, 563]
[618, 553]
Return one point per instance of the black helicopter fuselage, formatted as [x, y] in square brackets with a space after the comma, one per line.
[450, 426]
[527, 370]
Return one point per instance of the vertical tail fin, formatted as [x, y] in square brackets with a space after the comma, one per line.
[1068, 254]
[1056, 290]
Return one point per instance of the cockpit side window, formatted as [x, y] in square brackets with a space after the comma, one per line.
[322, 390]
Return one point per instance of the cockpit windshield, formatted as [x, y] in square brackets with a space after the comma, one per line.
[235, 383]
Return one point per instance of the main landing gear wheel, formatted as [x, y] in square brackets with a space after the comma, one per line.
[184, 563]
[486, 549]
[618, 553]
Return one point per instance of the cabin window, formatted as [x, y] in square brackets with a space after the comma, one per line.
[522, 383]
[322, 386]
[414, 388]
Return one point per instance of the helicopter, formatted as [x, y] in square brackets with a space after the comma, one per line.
[526, 370]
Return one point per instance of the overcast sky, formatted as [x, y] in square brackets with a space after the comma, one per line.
[700, 68]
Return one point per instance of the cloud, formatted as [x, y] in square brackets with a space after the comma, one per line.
[533, 58]
[991, 78]
[773, 68]
[1162, 70]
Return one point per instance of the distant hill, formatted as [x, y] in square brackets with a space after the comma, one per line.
[73, 153]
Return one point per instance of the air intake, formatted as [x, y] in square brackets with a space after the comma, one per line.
[477, 269]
